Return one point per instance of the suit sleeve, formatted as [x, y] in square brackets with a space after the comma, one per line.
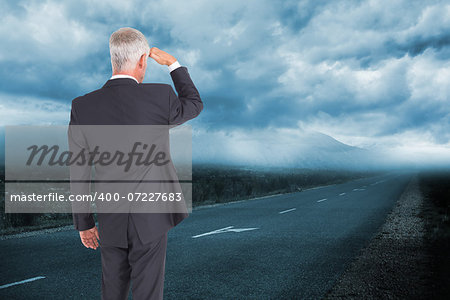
[188, 104]
[80, 176]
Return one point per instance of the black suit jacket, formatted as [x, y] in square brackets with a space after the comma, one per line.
[123, 101]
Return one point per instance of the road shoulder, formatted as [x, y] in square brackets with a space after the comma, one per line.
[395, 264]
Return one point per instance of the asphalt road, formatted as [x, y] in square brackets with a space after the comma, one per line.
[291, 246]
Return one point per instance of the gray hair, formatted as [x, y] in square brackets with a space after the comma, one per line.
[126, 45]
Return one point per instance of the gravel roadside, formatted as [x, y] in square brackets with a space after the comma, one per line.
[396, 263]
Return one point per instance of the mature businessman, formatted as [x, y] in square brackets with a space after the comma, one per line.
[133, 245]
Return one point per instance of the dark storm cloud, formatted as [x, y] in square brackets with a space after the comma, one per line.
[350, 69]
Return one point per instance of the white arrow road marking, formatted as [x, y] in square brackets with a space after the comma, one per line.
[241, 229]
[341, 194]
[21, 282]
[222, 230]
[213, 232]
[322, 200]
[288, 210]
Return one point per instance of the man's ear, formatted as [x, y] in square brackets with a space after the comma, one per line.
[142, 61]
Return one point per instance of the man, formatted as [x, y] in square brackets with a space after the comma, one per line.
[133, 245]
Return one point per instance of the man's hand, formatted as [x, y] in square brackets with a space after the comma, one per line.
[89, 238]
[161, 57]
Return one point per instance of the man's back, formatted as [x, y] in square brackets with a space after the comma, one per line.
[124, 101]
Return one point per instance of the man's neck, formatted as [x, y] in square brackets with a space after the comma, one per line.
[124, 75]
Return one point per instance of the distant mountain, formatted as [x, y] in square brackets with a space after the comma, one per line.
[280, 148]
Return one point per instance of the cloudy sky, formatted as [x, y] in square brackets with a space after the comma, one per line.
[371, 74]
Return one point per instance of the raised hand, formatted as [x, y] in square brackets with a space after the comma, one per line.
[161, 57]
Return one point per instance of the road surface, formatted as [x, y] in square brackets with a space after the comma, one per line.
[279, 247]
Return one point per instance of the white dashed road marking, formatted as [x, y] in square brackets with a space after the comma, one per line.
[322, 200]
[375, 183]
[288, 210]
[341, 194]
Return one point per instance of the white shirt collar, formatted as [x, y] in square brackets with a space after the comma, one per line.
[123, 76]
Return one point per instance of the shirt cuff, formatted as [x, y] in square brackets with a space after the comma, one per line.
[173, 66]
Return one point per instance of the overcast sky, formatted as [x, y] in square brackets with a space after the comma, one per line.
[372, 74]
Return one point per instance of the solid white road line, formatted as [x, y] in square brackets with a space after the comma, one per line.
[322, 200]
[21, 282]
[222, 230]
[288, 210]
[341, 194]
